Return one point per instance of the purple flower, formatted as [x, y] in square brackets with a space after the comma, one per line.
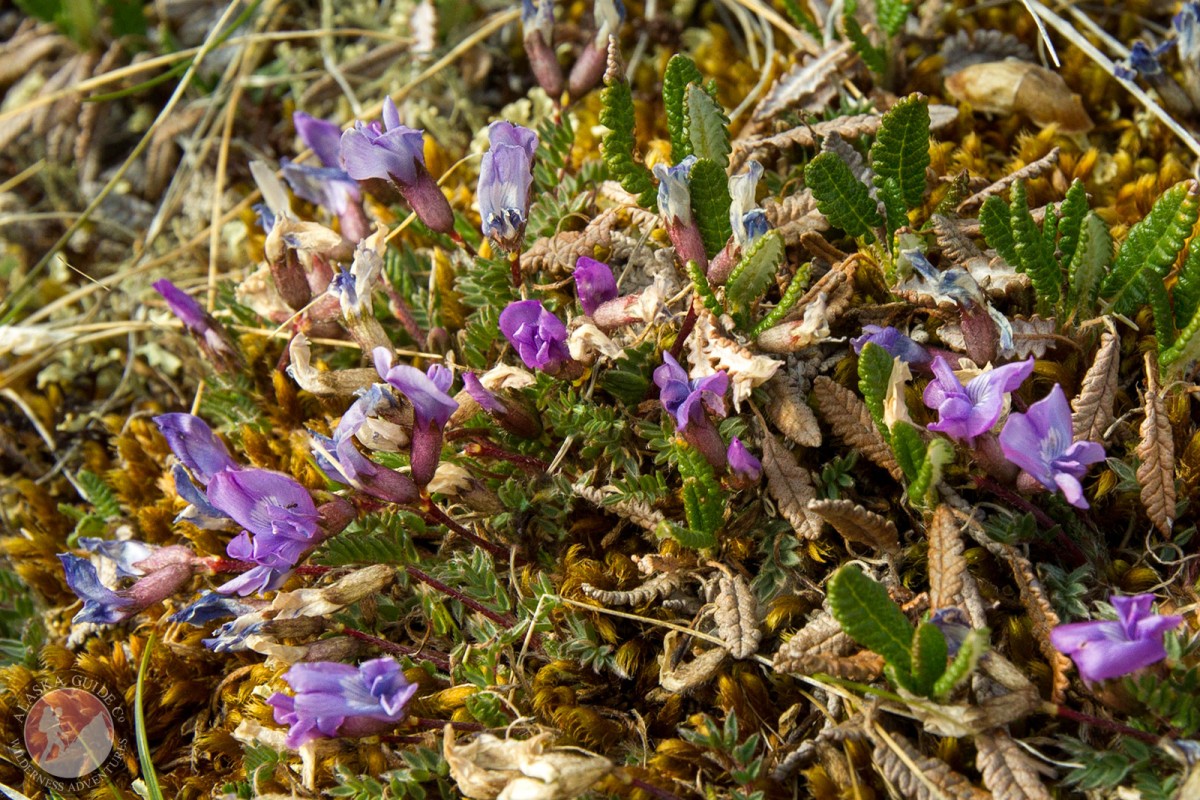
[432, 408]
[968, 411]
[333, 189]
[1040, 442]
[321, 136]
[1104, 649]
[334, 699]
[686, 400]
[742, 463]
[894, 342]
[594, 283]
[101, 605]
[537, 20]
[487, 400]
[162, 571]
[513, 415]
[395, 154]
[505, 175]
[195, 444]
[539, 337]
[340, 458]
[209, 334]
[675, 205]
[199, 511]
[210, 606]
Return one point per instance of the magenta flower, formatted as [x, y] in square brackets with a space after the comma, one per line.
[894, 342]
[686, 402]
[1104, 649]
[539, 337]
[210, 335]
[594, 283]
[195, 444]
[1040, 442]
[340, 458]
[675, 205]
[968, 411]
[394, 154]
[432, 408]
[505, 175]
[745, 467]
[334, 699]
[160, 572]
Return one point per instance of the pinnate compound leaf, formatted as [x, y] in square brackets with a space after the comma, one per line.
[1035, 256]
[894, 208]
[973, 647]
[891, 14]
[1043, 618]
[996, 224]
[909, 449]
[1089, 264]
[874, 373]
[619, 145]
[681, 71]
[706, 125]
[736, 616]
[939, 453]
[901, 150]
[874, 57]
[842, 198]
[857, 524]
[947, 565]
[1071, 214]
[1186, 294]
[913, 773]
[929, 654]
[695, 540]
[710, 204]
[790, 486]
[1152, 247]
[790, 413]
[1156, 472]
[703, 499]
[755, 270]
[870, 617]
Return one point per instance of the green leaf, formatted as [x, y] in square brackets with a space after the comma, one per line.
[841, 197]
[704, 289]
[755, 271]
[706, 125]
[929, 654]
[99, 495]
[1088, 265]
[1151, 247]
[1164, 317]
[1186, 348]
[901, 149]
[703, 498]
[1035, 256]
[1187, 287]
[695, 540]
[1071, 213]
[909, 449]
[895, 210]
[681, 71]
[801, 17]
[874, 372]
[939, 453]
[891, 14]
[996, 224]
[618, 147]
[868, 616]
[969, 652]
[793, 292]
[874, 57]
[709, 188]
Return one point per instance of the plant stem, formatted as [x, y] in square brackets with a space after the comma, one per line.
[438, 660]
[1098, 722]
[451, 592]
[435, 514]
[527, 463]
[1076, 555]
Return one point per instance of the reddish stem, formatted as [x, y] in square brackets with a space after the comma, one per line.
[474, 605]
[650, 788]
[685, 331]
[1077, 556]
[439, 661]
[435, 514]
[527, 463]
[1106, 724]
[457, 238]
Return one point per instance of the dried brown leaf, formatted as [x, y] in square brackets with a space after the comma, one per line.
[1033, 170]
[660, 585]
[795, 215]
[1042, 617]
[809, 85]
[1007, 770]
[917, 776]
[791, 487]
[557, 254]
[635, 511]
[737, 616]
[1156, 473]
[857, 524]
[955, 244]
[822, 635]
[864, 666]
[684, 677]
[790, 413]
[1093, 407]
[843, 411]
[947, 566]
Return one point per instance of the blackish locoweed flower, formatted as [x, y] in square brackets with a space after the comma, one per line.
[539, 337]
[686, 402]
[195, 444]
[594, 284]
[744, 466]
[965, 412]
[897, 344]
[210, 335]
[340, 458]
[1104, 649]
[432, 408]
[334, 699]
[505, 175]
[394, 154]
[675, 205]
[160, 572]
[537, 21]
[1040, 442]
[607, 16]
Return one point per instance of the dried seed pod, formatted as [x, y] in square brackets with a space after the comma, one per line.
[1018, 87]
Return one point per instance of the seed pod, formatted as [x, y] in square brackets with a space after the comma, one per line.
[1018, 87]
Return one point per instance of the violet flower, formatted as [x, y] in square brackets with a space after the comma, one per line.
[340, 458]
[675, 205]
[394, 154]
[211, 606]
[432, 408]
[966, 412]
[746, 468]
[539, 337]
[1040, 442]
[195, 444]
[513, 415]
[321, 136]
[212, 338]
[894, 342]
[537, 21]
[686, 402]
[161, 572]
[594, 284]
[334, 699]
[505, 175]
[1104, 649]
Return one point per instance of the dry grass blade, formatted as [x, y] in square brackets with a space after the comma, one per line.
[947, 566]
[916, 776]
[1092, 408]
[864, 666]
[791, 487]
[843, 411]
[1006, 768]
[790, 413]
[1043, 619]
[737, 616]
[1027, 172]
[1156, 473]
[857, 524]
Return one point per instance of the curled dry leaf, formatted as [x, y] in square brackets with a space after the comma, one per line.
[660, 585]
[822, 635]
[809, 85]
[795, 215]
[947, 566]
[790, 413]
[324, 383]
[636, 511]
[737, 615]
[1043, 618]
[857, 524]
[490, 768]
[789, 337]
[850, 419]
[1156, 473]
[711, 351]
[1035, 169]
[864, 666]
[1007, 770]
[917, 776]
[790, 485]
[1092, 408]
[685, 676]
[1019, 87]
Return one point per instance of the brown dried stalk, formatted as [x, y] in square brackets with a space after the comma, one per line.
[1093, 406]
